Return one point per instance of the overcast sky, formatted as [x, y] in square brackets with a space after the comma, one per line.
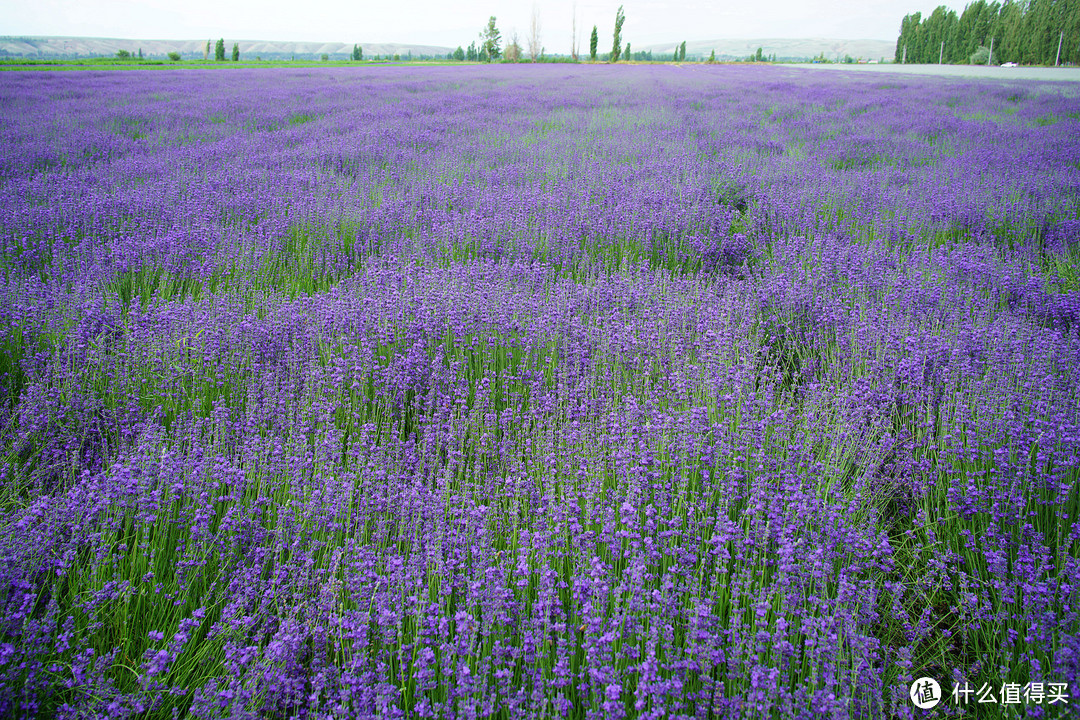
[436, 22]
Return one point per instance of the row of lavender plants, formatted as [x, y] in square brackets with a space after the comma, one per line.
[535, 392]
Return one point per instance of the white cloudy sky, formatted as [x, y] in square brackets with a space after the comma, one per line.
[438, 22]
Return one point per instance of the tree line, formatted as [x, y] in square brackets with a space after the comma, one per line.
[219, 53]
[1027, 32]
[489, 46]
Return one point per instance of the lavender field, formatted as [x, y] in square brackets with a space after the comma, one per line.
[553, 391]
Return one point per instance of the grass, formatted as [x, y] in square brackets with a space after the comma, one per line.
[1061, 270]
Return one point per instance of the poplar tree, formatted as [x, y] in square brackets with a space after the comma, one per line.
[592, 44]
[236, 52]
[219, 50]
[616, 49]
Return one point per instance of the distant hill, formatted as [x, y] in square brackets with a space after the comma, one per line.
[783, 48]
[726, 49]
[82, 47]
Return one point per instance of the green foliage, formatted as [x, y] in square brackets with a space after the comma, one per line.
[123, 54]
[1061, 269]
[15, 345]
[219, 50]
[236, 52]
[616, 48]
[174, 56]
[593, 39]
[302, 118]
[459, 54]
[358, 53]
[512, 53]
[491, 47]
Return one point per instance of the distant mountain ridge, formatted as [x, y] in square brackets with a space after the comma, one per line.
[72, 47]
[783, 48]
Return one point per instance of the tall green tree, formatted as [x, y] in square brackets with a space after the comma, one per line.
[1013, 45]
[491, 44]
[616, 49]
[236, 52]
[936, 29]
[966, 39]
[915, 46]
[219, 50]
[1043, 25]
[898, 54]
[1070, 26]
[593, 39]
[984, 22]
[459, 54]
[907, 43]
[682, 51]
